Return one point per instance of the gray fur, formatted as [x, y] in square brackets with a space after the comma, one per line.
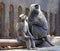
[24, 31]
[38, 25]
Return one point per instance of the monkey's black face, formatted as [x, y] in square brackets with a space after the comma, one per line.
[34, 9]
[21, 20]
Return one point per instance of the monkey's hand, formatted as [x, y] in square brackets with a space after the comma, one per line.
[26, 36]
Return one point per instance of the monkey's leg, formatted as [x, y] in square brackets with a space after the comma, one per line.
[31, 37]
[28, 44]
[33, 43]
[46, 39]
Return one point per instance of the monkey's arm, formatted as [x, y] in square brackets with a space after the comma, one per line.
[30, 34]
[24, 35]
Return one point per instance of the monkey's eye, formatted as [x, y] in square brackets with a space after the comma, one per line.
[19, 17]
[21, 20]
[36, 6]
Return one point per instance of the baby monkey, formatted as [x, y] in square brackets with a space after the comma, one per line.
[25, 34]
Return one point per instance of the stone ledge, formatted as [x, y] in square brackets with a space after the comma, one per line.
[55, 48]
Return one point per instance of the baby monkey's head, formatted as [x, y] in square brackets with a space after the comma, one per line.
[22, 17]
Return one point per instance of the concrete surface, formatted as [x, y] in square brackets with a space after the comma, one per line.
[53, 40]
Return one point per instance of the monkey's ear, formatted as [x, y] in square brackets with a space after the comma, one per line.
[21, 15]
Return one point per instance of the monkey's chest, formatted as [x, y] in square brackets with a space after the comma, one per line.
[23, 27]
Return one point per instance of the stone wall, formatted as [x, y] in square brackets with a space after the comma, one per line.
[12, 9]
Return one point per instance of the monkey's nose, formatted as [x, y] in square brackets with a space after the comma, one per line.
[36, 6]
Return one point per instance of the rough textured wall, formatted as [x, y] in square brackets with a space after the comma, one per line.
[46, 5]
[58, 20]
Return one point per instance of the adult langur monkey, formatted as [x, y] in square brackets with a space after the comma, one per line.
[25, 35]
[38, 25]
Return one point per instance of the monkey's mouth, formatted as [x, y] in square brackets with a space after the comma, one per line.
[21, 20]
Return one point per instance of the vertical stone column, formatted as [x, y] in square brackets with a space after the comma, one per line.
[2, 19]
[55, 31]
[48, 18]
[53, 24]
[58, 20]
[11, 20]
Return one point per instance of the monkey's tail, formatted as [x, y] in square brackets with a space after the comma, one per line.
[46, 39]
